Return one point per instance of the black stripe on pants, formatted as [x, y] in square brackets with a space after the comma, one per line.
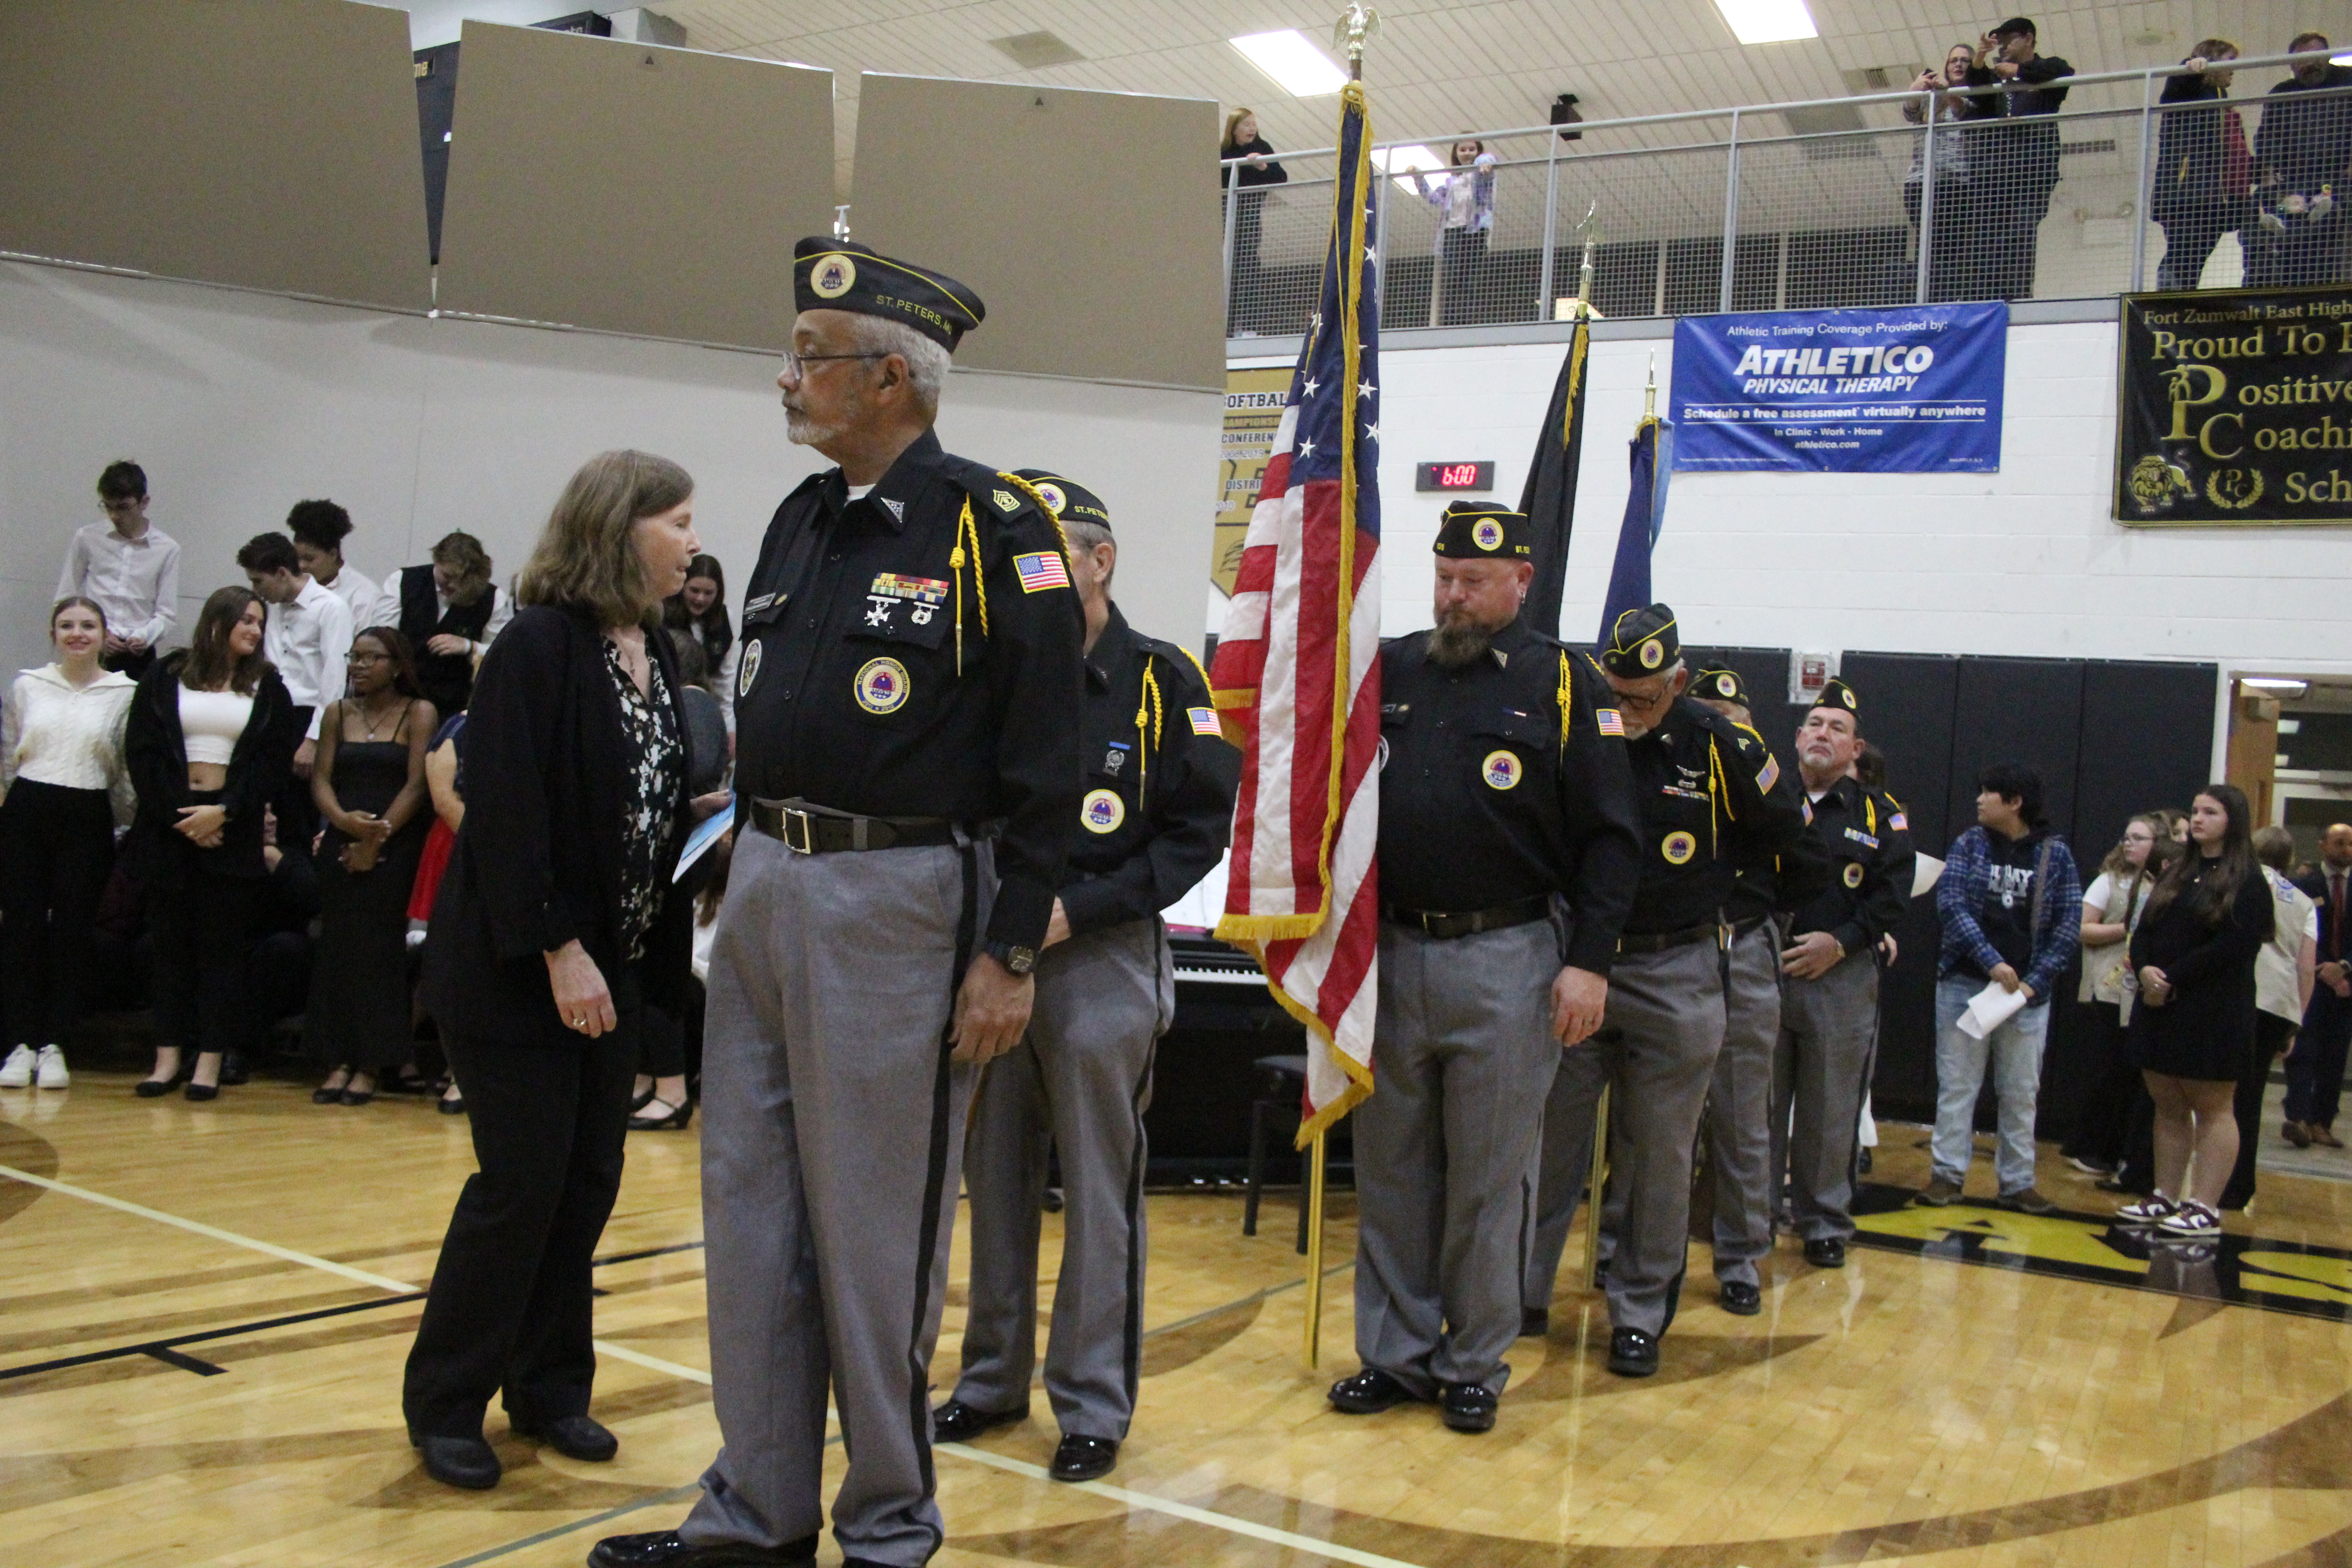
[935, 1176]
[57, 848]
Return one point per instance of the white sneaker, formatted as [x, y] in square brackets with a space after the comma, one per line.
[53, 1073]
[2154, 1209]
[2192, 1219]
[17, 1071]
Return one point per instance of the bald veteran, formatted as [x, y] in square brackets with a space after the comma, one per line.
[909, 706]
[1502, 788]
[1713, 802]
[1157, 813]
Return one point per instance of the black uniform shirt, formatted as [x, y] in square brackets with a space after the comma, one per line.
[1713, 803]
[1488, 795]
[1160, 782]
[1782, 884]
[900, 662]
[1871, 863]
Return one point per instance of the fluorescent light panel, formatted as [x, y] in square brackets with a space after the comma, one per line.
[1297, 66]
[1399, 161]
[1768, 21]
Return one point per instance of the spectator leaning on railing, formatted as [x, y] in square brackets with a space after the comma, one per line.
[1465, 194]
[2303, 152]
[2203, 169]
[1952, 240]
[1246, 180]
[2017, 163]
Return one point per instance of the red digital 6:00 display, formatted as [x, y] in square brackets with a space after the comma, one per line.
[1472, 476]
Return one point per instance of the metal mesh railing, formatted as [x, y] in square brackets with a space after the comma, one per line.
[1748, 210]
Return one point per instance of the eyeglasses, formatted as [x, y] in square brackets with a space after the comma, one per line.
[1639, 701]
[369, 658]
[798, 363]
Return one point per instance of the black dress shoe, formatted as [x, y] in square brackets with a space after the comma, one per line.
[637, 1102]
[1740, 1299]
[201, 1092]
[356, 1096]
[673, 1119]
[451, 1107]
[465, 1462]
[234, 1071]
[1825, 1252]
[663, 1548]
[1368, 1392]
[1633, 1353]
[1535, 1323]
[154, 1088]
[956, 1422]
[573, 1437]
[1468, 1406]
[1084, 1458]
[326, 1096]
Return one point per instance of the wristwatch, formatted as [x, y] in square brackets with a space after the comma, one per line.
[1017, 959]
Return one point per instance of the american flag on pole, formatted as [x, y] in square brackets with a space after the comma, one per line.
[1298, 673]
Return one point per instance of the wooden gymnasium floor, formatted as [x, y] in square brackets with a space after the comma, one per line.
[204, 1312]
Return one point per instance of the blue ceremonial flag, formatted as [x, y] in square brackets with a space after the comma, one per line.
[1645, 515]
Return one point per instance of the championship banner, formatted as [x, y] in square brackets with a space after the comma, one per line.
[2234, 408]
[1915, 390]
[1254, 400]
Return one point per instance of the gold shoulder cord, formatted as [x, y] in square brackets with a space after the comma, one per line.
[1567, 699]
[1147, 705]
[968, 530]
[1869, 812]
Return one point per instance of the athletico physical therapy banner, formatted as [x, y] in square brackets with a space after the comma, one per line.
[2234, 408]
[1909, 391]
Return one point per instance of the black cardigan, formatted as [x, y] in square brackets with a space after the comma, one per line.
[156, 752]
[2212, 967]
[2193, 149]
[537, 860]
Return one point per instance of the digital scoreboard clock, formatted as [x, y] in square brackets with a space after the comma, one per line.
[1453, 476]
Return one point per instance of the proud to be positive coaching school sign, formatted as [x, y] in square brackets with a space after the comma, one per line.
[2234, 408]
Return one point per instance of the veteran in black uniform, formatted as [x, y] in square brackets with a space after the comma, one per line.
[1713, 803]
[1504, 788]
[1829, 1016]
[1156, 816]
[907, 706]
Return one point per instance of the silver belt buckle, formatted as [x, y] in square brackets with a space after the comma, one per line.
[807, 844]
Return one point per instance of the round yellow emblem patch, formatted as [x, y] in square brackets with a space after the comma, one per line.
[1486, 533]
[1102, 811]
[1502, 769]
[1679, 848]
[1852, 873]
[1726, 685]
[1653, 654]
[750, 671]
[1055, 498]
[882, 686]
[833, 277]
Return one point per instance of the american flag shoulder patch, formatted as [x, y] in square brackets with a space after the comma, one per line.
[1768, 774]
[1041, 570]
[1610, 721]
[1204, 721]
[1898, 823]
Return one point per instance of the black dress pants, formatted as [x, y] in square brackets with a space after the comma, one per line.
[56, 849]
[2315, 1068]
[200, 924]
[510, 1306]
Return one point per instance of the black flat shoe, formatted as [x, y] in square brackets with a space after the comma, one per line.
[234, 1071]
[639, 1101]
[663, 1548]
[1535, 1323]
[956, 1422]
[202, 1091]
[1633, 1353]
[669, 1121]
[452, 1107]
[1468, 1406]
[465, 1462]
[1740, 1299]
[154, 1088]
[323, 1096]
[1084, 1458]
[1825, 1252]
[579, 1438]
[1368, 1392]
[356, 1096]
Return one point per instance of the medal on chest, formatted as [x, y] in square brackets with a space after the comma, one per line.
[882, 686]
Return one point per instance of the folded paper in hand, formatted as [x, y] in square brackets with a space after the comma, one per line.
[1989, 1008]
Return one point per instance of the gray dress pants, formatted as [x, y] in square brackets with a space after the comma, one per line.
[832, 1142]
[1828, 1029]
[1079, 1083]
[1445, 1148]
[1740, 1109]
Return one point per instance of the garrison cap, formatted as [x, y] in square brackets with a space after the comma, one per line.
[1072, 502]
[1483, 531]
[831, 274]
[1643, 642]
[1721, 684]
[1837, 694]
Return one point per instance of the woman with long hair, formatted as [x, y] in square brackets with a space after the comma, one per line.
[2112, 906]
[699, 610]
[1248, 166]
[210, 741]
[67, 787]
[556, 928]
[2193, 1028]
[369, 786]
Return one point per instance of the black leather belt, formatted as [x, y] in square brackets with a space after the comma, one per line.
[1446, 927]
[808, 829]
[1665, 940]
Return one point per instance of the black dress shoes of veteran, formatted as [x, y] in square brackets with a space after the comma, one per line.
[956, 1422]
[663, 1548]
[1368, 1392]
[1084, 1458]
[1825, 1252]
[1468, 1406]
[1741, 1299]
[1633, 1353]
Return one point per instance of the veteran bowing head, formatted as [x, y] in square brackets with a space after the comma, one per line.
[1722, 690]
[870, 349]
[1830, 737]
[1484, 567]
[1643, 661]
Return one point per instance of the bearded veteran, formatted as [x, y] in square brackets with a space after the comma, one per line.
[1504, 787]
[909, 707]
[1829, 1016]
[1156, 816]
[1712, 802]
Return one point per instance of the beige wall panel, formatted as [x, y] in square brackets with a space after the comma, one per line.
[266, 143]
[1088, 222]
[632, 188]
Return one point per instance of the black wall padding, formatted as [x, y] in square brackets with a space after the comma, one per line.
[2027, 710]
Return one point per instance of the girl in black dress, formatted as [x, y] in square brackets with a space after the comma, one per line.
[369, 785]
[2193, 1030]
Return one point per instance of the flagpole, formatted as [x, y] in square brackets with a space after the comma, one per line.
[1598, 1178]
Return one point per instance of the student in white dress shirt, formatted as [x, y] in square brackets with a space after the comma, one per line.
[309, 640]
[319, 528]
[67, 791]
[129, 568]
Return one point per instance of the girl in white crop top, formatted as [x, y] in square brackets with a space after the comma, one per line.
[210, 723]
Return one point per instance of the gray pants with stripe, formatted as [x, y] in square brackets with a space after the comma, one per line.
[1079, 1083]
[831, 1141]
[1829, 1027]
[1461, 1052]
[1740, 1109]
[1658, 1047]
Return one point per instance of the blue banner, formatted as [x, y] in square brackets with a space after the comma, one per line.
[1915, 390]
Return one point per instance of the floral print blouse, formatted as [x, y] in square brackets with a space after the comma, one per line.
[654, 759]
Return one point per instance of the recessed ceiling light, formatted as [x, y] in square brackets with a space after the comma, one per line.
[1297, 66]
[1399, 161]
[1768, 21]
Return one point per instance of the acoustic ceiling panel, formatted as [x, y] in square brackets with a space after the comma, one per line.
[632, 188]
[1088, 222]
[265, 144]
